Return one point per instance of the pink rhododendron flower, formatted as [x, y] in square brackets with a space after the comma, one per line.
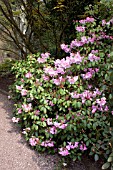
[27, 107]
[47, 143]
[65, 48]
[103, 22]
[76, 43]
[80, 28]
[19, 87]
[76, 58]
[51, 103]
[50, 71]
[60, 70]
[72, 80]
[56, 81]
[56, 124]
[112, 112]
[106, 108]
[88, 75]
[94, 108]
[92, 57]
[49, 121]
[23, 92]
[83, 21]
[84, 40]
[90, 19]
[45, 55]
[101, 101]
[19, 110]
[75, 95]
[28, 75]
[62, 126]
[53, 130]
[63, 151]
[33, 141]
[41, 60]
[15, 120]
[72, 146]
[46, 78]
[83, 147]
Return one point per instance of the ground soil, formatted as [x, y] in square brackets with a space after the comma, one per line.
[16, 154]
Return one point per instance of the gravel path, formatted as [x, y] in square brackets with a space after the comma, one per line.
[16, 154]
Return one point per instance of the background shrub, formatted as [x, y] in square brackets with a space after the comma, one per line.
[64, 105]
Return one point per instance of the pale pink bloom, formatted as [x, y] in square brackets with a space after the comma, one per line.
[96, 92]
[101, 101]
[53, 130]
[49, 121]
[83, 147]
[28, 75]
[94, 51]
[19, 110]
[112, 112]
[106, 108]
[19, 87]
[47, 143]
[27, 107]
[41, 60]
[46, 78]
[90, 19]
[65, 48]
[56, 124]
[75, 95]
[103, 22]
[50, 144]
[80, 28]
[72, 146]
[88, 75]
[57, 62]
[33, 141]
[76, 58]
[15, 120]
[96, 70]
[82, 21]
[63, 151]
[76, 43]
[60, 70]
[23, 92]
[51, 103]
[89, 86]
[72, 80]
[24, 132]
[63, 126]
[45, 55]
[94, 108]
[50, 71]
[92, 57]
[84, 40]
[56, 81]
[65, 63]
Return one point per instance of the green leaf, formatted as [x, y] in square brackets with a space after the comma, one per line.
[96, 157]
[110, 159]
[106, 165]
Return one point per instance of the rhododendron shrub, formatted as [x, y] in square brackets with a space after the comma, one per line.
[63, 105]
